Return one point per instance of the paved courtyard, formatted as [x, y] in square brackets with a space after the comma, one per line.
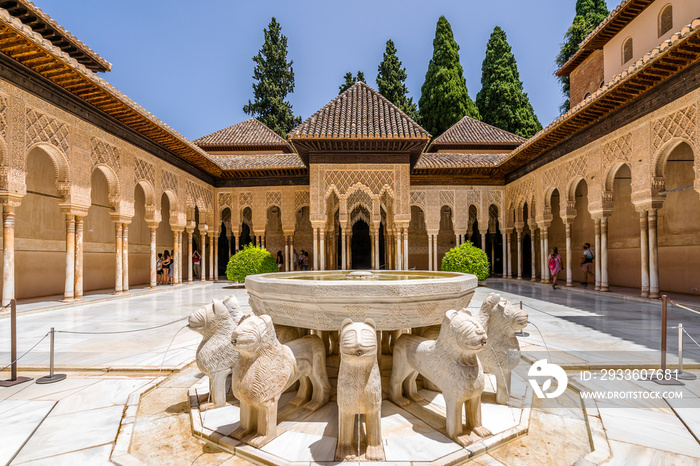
[77, 420]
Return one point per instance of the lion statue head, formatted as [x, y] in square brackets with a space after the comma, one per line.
[460, 331]
[210, 319]
[253, 333]
[500, 316]
[358, 339]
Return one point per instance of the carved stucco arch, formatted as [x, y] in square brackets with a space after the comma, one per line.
[661, 156]
[112, 183]
[59, 159]
[572, 185]
[611, 173]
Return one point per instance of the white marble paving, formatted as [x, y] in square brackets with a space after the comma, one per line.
[300, 446]
[18, 419]
[100, 395]
[72, 432]
[96, 456]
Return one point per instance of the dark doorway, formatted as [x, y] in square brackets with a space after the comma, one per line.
[494, 251]
[245, 236]
[361, 246]
[475, 236]
[527, 256]
[223, 250]
[382, 264]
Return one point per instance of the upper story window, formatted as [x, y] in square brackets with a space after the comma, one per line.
[665, 20]
[627, 51]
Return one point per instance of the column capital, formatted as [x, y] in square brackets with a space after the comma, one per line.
[288, 232]
[189, 229]
[74, 209]
[118, 218]
[544, 225]
[11, 199]
[203, 227]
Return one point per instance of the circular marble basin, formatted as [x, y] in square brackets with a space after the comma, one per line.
[393, 299]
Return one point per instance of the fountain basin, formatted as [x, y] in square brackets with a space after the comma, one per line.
[321, 300]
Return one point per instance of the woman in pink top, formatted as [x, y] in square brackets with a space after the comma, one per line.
[554, 261]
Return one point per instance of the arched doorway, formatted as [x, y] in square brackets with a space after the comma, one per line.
[527, 255]
[361, 246]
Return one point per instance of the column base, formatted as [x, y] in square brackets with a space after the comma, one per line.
[154, 287]
[597, 288]
[604, 288]
[189, 280]
[569, 284]
[645, 294]
[68, 300]
[533, 279]
[654, 295]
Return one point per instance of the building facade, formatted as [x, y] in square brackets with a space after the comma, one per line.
[93, 186]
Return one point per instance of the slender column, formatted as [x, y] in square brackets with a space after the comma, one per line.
[262, 241]
[653, 256]
[436, 267]
[456, 239]
[322, 249]
[430, 251]
[291, 252]
[508, 265]
[69, 292]
[154, 259]
[216, 257]
[79, 223]
[178, 254]
[8, 256]
[349, 257]
[504, 259]
[493, 253]
[405, 248]
[236, 243]
[202, 260]
[644, 247]
[344, 250]
[520, 254]
[125, 257]
[286, 253]
[569, 256]
[482, 238]
[211, 256]
[190, 252]
[228, 243]
[545, 254]
[118, 275]
[604, 254]
[597, 254]
[399, 255]
[533, 255]
[315, 229]
[376, 249]
[371, 258]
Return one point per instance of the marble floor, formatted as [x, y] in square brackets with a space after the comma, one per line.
[76, 421]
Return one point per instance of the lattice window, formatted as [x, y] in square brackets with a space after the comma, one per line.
[301, 199]
[3, 117]
[245, 199]
[168, 181]
[677, 124]
[418, 198]
[359, 197]
[618, 149]
[447, 198]
[225, 200]
[627, 50]
[375, 180]
[273, 198]
[665, 20]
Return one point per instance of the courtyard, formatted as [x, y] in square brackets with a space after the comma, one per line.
[127, 395]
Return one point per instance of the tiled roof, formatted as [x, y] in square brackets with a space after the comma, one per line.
[259, 162]
[458, 160]
[673, 55]
[245, 134]
[41, 23]
[620, 17]
[468, 131]
[359, 112]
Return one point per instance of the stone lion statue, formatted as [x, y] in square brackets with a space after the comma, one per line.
[502, 354]
[265, 368]
[451, 363]
[215, 355]
[359, 389]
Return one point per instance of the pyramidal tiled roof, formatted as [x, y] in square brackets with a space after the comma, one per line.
[468, 131]
[359, 113]
[249, 133]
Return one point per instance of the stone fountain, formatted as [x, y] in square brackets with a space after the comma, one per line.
[355, 421]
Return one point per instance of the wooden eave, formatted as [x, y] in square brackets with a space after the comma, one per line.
[40, 23]
[279, 148]
[413, 146]
[264, 172]
[656, 67]
[504, 146]
[54, 65]
[611, 26]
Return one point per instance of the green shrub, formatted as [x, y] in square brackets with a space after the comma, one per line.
[467, 258]
[250, 260]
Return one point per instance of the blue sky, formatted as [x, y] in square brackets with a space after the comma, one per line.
[189, 62]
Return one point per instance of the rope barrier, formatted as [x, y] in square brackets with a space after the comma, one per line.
[30, 349]
[122, 331]
[692, 339]
[684, 307]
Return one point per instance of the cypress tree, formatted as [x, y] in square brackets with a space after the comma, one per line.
[444, 98]
[350, 80]
[589, 14]
[275, 79]
[501, 100]
[391, 79]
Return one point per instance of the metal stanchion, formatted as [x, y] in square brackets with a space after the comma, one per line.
[682, 375]
[662, 380]
[521, 333]
[51, 378]
[14, 380]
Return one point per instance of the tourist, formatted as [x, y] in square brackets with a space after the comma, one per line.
[196, 264]
[587, 264]
[306, 260]
[159, 269]
[554, 260]
[295, 264]
[166, 267]
[280, 261]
